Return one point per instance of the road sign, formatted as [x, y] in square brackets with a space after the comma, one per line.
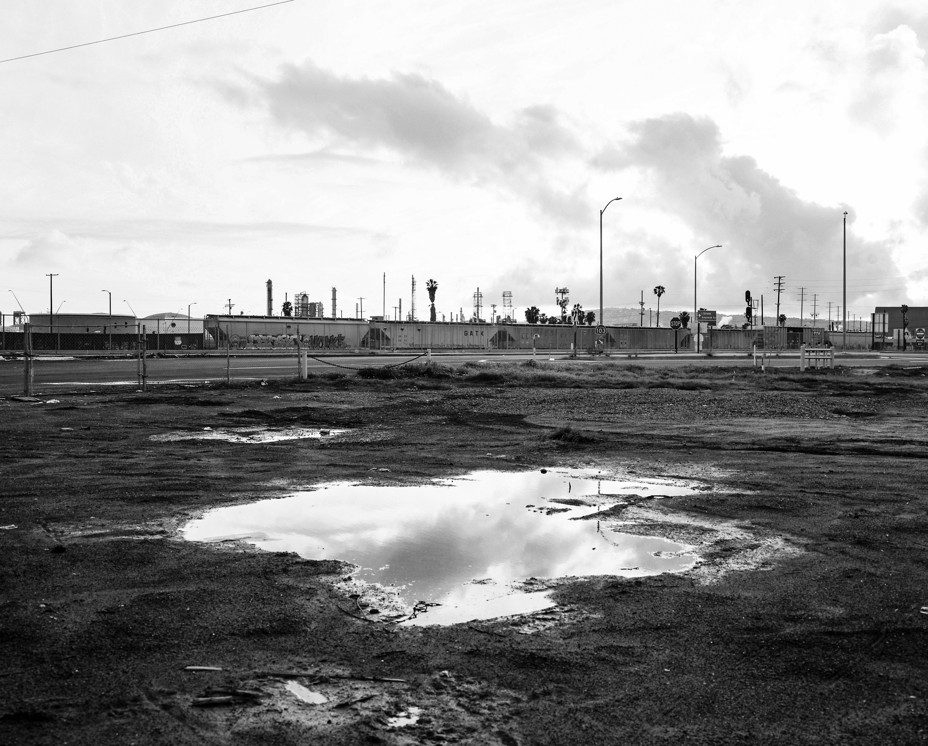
[601, 330]
[920, 333]
[675, 323]
[706, 317]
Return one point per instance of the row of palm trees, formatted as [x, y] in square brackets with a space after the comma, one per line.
[533, 314]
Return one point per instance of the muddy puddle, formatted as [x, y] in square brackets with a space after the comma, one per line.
[479, 546]
[249, 434]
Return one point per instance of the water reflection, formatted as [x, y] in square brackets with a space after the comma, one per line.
[247, 434]
[460, 542]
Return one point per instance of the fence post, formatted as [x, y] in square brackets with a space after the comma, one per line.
[27, 359]
[144, 358]
[138, 354]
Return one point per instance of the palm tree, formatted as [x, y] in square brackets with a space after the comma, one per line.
[590, 317]
[684, 317]
[659, 291]
[531, 314]
[431, 286]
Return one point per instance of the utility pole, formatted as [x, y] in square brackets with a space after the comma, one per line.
[844, 283]
[641, 313]
[229, 306]
[802, 302]
[814, 308]
[385, 295]
[51, 304]
[778, 286]
[761, 310]
[362, 307]
[829, 317]
[412, 305]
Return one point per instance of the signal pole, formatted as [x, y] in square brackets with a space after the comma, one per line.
[778, 286]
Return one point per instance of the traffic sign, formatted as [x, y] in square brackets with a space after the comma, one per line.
[920, 333]
[706, 317]
[675, 323]
[601, 330]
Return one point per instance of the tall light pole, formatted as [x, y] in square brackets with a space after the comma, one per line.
[695, 308]
[188, 315]
[130, 307]
[51, 305]
[18, 303]
[614, 199]
[844, 286]
[110, 304]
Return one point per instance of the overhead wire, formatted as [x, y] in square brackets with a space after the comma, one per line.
[146, 31]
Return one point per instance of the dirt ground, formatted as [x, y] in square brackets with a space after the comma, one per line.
[806, 620]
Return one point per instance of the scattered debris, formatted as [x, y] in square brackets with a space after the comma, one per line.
[8, 527]
[352, 702]
[202, 668]
[28, 399]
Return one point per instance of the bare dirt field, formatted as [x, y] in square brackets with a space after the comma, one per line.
[804, 621]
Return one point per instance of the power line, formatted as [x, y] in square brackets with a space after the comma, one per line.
[147, 31]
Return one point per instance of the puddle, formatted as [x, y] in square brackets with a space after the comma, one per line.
[409, 716]
[305, 695]
[472, 547]
[248, 434]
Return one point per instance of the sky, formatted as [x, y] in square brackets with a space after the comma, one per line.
[322, 144]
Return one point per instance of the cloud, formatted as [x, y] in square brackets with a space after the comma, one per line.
[47, 248]
[765, 228]
[422, 122]
[892, 75]
[43, 240]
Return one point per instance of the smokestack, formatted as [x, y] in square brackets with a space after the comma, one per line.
[333, 303]
[270, 298]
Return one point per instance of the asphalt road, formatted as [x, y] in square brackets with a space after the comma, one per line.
[52, 373]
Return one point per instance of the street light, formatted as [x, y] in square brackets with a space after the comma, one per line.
[18, 303]
[110, 314]
[188, 315]
[614, 199]
[51, 303]
[695, 308]
[130, 307]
